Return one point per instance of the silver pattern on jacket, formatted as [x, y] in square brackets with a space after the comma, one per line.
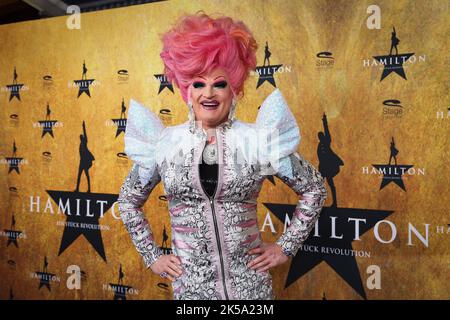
[213, 235]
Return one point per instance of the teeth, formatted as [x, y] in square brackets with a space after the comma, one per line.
[210, 104]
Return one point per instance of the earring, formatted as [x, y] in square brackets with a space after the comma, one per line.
[232, 113]
[191, 115]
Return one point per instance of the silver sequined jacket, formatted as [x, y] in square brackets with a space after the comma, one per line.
[212, 235]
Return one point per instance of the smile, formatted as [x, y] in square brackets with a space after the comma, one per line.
[210, 105]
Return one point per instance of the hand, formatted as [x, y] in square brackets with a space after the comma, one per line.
[271, 256]
[170, 264]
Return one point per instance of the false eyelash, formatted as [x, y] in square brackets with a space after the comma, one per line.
[198, 84]
[221, 84]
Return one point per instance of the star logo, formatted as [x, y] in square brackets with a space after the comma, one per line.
[47, 127]
[47, 124]
[336, 228]
[83, 211]
[333, 244]
[120, 289]
[121, 123]
[84, 83]
[393, 63]
[14, 161]
[164, 83]
[266, 73]
[15, 87]
[392, 173]
[44, 276]
[12, 234]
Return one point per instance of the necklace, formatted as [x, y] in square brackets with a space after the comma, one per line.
[210, 152]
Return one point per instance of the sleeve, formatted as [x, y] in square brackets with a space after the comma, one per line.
[278, 156]
[141, 135]
[307, 182]
[278, 134]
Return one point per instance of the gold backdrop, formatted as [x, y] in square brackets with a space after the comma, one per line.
[328, 66]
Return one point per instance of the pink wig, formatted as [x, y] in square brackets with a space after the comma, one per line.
[198, 44]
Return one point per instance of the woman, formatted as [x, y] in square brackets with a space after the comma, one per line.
[213, 167]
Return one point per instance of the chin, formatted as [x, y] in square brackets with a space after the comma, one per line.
[211, 121]
[211, 116]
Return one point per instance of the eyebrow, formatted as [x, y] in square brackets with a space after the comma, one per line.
[214, 79]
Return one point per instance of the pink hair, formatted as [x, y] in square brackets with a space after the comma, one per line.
[198, 44]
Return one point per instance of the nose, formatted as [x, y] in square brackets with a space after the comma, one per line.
[209, 92]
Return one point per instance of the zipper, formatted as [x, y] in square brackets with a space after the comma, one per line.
[211, 202]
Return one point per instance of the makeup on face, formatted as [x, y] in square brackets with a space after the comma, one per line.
[211, 97]
[208, 102]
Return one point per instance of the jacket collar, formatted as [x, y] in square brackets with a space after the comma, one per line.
[195, 128]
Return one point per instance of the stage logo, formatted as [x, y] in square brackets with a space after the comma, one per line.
[392, 109]
[122, 76]
[165, 114]
[47, 82]
[325, 60]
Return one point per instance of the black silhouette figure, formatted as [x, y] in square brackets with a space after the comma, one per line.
[45, 264]
[83, 77]
[11, 294]
[121, 275]
[324, 297]
[329, 162]
[13, 222]
[47, 116]
[394, 152]
[15, 76]
[267, 54]
[122, 114]
[165, 238]
[14, 149]
[86, 159]
[394, 42]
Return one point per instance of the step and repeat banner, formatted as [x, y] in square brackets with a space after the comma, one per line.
[366, 80]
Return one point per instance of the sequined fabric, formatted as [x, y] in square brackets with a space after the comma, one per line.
[212, 235]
